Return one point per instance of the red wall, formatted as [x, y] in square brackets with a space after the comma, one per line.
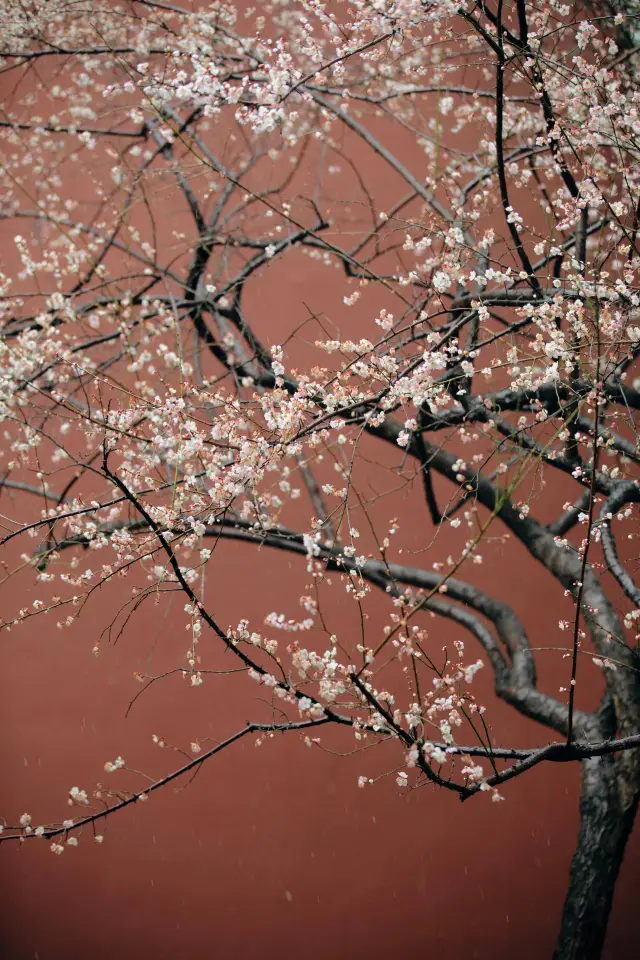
[271, 852]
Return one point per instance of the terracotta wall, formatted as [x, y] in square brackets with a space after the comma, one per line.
[271, 851]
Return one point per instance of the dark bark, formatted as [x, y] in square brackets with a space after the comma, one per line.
[607, 813]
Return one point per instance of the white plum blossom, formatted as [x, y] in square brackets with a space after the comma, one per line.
[348, 306]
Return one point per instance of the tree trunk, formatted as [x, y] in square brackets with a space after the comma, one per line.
[607, 812]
